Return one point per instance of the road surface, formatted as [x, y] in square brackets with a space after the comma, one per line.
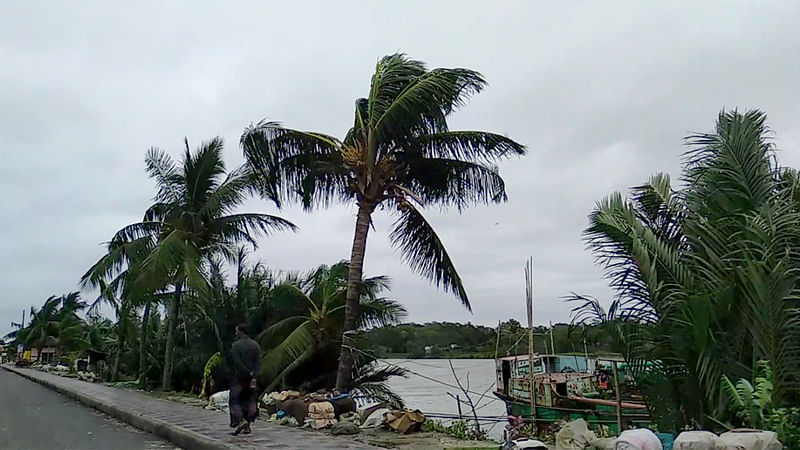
[35, 417]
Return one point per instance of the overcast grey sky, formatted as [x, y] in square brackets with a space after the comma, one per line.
[601, 92]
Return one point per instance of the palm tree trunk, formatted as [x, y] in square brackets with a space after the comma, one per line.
[172, 329]
[117, 357]
[143, 345]
[346, 360]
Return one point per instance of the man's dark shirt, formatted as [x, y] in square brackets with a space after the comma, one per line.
[246, 358]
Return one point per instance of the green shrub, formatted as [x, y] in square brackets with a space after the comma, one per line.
[785, 422]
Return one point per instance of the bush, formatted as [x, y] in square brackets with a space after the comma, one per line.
[785, 422]
[458, 429]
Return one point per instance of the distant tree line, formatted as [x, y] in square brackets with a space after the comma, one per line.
[459, 340]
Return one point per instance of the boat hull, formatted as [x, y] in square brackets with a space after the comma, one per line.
[597, 416]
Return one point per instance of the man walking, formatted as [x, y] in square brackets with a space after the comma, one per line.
[243, 395]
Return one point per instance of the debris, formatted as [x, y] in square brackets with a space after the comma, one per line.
[351, 416]
[524, 444]
[405, 421]
[219, 401]
[375, 418]
[574, 435]
[368, 409]
[343, 428]
[289, 421]
[321, 414]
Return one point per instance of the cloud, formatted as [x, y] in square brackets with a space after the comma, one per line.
[601, 93]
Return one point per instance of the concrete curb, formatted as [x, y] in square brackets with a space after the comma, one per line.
[178, 435]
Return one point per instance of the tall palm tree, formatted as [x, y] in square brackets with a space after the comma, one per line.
[399, 154]
[314, 313]
[193, 216]
[707, 276]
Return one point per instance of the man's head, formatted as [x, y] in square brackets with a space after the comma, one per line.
[241, 330]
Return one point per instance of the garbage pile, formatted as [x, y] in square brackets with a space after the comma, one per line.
[63, 370]
[337, 412]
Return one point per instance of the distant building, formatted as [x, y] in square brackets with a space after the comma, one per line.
[453, 346]
[428, 349]
[48, 354]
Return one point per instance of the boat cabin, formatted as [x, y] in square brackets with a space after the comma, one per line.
[554, 377]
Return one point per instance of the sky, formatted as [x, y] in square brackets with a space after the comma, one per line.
[602, 93]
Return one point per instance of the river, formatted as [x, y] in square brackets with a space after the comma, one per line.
[420, 391]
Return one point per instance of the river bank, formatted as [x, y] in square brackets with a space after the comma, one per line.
[432, 388]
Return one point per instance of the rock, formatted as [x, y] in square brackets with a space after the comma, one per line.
[344, 428]
[695, 440]
[574, 435]
[743, 439]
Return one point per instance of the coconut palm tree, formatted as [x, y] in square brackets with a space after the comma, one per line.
[399, 155]
[114, 274]
[707, 276]
[56, 324]
[192, 217]
[43, 326]
[124, 310]
[314, 314]
[70, 334]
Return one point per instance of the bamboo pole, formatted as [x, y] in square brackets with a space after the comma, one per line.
[497, 343]
[616, 391]
[529, 303]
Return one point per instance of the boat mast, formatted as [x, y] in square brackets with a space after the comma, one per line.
[529, 303]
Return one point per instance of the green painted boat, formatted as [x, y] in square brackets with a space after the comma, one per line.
[565, 387]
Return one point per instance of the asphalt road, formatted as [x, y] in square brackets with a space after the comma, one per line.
[35, 417]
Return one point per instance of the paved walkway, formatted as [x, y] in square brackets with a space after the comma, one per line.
[184, 425]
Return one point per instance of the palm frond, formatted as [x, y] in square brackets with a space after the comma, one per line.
[202, 171]
[294, 165]
[289, 350]
[279, 331]
[424, 252]
[161, 167]
[137, 231]
[423, 103]
[473, 146]
[380, 312]
[371, 382]
[447, 182]
[246, 226]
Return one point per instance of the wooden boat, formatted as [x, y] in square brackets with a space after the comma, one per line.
[565, 387]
